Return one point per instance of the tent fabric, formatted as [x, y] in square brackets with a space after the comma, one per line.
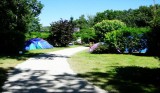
[92, 48]
[37, 43]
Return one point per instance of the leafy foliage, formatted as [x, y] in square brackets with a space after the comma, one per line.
[34, 25]
[43, 35]
[140, 17]
[81, 22]
[61, 32]
[45, 28]
[87, 35]
[16, 15]
[154, 34]
[106, 26]
[15, 19]
[127, 38]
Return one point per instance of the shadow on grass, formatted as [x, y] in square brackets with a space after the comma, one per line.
[20, 57]
[146, 55]
[135, 54]
[3, 71]
[3, 77]
[127, 80]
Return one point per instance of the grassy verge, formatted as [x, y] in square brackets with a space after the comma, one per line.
[119, 73]
[8, 62]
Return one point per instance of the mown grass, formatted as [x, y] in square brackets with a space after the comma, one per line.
[9, 62]
[119, 73]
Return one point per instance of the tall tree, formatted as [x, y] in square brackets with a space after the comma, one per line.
[34, 25]
[15, 17]
[154, 41]
[81, 22]
[62, 32]
[90, 20]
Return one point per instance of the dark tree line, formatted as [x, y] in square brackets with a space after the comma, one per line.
[140, 17]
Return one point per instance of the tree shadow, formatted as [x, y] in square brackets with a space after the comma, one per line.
[4, 71]
[127, 80]
[20, 57]
[43, 81]
[33, 55]
[50, 56]
[3, 77]
[146, 55]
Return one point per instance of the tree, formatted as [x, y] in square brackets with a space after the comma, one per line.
[154, 34]
[15, 17]
[45, 28]
[127, 38]
[34, 25]
[62, 32]
[106, 26]
[90, 20]
[81, 22]
[87, 35]
[100, 16]
[140, 17]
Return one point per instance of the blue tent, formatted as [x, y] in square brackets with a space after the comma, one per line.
[37, 43]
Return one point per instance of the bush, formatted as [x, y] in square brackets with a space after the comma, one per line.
[11, 42]
[127, 38]
[106, 26]
[61, 33]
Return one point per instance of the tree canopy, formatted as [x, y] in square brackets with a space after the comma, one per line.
[62, 32]
[16, 18]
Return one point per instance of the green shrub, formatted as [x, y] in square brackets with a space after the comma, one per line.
[11, 42]
[127, 38]
[106, 26]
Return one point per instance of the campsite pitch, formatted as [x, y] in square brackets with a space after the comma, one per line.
[48, 73]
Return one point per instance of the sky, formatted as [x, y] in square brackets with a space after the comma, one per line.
[54, 10]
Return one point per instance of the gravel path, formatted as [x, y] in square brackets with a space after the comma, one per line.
[48, 73]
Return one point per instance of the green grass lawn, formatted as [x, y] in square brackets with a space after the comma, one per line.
[119, 73]
[9, 62]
